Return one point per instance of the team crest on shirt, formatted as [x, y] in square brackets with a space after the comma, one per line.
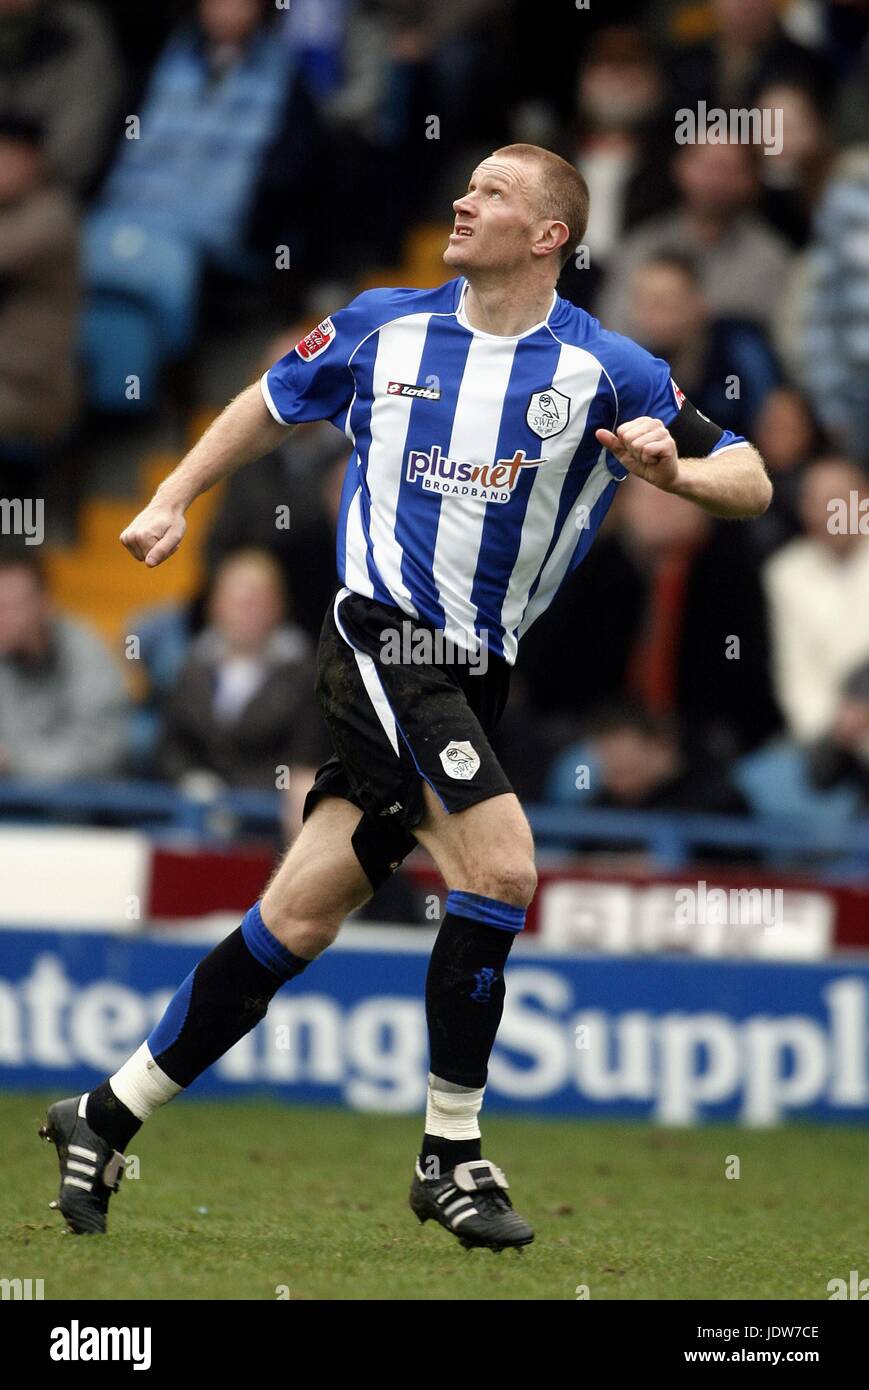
[460, 760]
[317, 341]
[548, 412]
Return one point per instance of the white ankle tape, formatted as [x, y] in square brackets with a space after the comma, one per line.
[451, 1111]
[141, 1085]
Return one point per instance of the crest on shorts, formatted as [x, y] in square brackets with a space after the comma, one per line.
[460, 760]
[548, 412]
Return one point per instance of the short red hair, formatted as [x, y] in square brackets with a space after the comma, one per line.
[563, 191]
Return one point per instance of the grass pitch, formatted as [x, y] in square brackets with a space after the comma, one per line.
[257, 1200]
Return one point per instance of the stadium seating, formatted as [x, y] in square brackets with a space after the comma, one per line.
[141, 311]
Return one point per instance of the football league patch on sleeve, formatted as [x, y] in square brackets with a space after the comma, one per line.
[678, 393]
[317, 341]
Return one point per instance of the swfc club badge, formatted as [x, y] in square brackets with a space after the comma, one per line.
[460, 759]
[548, 413]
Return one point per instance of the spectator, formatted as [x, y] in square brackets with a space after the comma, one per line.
[742, 262]
[316, 30]
[787, 436]
[288, 504]
[837, 339]
[524, 743]
[725, 367]
[669, 612]
[619, 96]
[214, 175]
[786, 433]
[640, 765]
[301, 481]
[387, 68]
[841, 757]
[38, 293]
[243, 705]
[817, 588]
[748, 51]
[388, 43]
[62, 702]
[631, 760]
[618, 146]
[58, 66]
[793, 178]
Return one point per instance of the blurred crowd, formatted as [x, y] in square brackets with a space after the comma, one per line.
[154, 160]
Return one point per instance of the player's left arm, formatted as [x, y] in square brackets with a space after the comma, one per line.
[728, 481]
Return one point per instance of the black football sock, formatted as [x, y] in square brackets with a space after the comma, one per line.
[464, 999]
[221, 1000]
[110, 1118]
[439, 1156]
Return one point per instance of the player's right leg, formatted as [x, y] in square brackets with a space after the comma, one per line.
[319, 882]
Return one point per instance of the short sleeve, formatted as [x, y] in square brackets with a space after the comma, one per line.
[644, 386]
[315, 380]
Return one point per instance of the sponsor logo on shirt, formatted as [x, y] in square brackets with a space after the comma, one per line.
[401, 388]
[317, 341]
[490, 482]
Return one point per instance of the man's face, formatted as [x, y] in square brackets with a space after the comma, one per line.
[716, 180]
[632, 764]
[749, 22]
[229, 21]
[829, 481]
[246, 606]
[614, 95]
[667, 307]
[23, 611]
[497, 222]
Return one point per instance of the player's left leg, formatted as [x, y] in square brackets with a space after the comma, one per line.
[485, 854]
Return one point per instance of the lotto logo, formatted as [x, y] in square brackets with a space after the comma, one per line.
[403, 388]
[317, 341]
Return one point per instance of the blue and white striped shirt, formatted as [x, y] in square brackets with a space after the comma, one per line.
[476, 483]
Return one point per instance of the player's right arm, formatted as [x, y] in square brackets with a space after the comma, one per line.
[244, 431]
[312, 382]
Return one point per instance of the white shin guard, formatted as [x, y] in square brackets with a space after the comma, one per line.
[452, 1111]
[141, 1085]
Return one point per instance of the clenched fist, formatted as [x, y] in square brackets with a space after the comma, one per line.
[646, 448]
[155, 534]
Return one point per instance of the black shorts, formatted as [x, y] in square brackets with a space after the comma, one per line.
[398, 720]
